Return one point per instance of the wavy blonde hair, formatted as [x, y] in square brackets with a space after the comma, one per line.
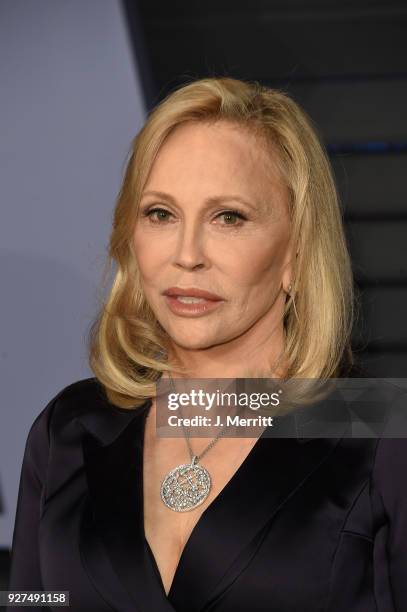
[127, 346]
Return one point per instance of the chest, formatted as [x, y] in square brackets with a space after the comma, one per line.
[292, 526]
[168, 531]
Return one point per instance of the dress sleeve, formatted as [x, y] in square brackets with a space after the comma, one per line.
[25, 573]
[390, 484]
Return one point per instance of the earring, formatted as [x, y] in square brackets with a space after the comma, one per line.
[289, 289]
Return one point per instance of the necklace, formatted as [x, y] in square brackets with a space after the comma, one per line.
[188, 485]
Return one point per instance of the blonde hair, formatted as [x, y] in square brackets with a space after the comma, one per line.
[128, 347]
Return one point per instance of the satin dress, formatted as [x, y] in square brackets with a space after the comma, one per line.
[304, 524]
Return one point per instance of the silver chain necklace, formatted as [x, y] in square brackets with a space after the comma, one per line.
[188, 485]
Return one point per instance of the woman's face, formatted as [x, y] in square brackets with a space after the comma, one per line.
[201, 173]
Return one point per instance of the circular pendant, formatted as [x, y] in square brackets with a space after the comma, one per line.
[185, 487]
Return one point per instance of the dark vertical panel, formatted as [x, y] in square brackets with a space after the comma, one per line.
[140, 51]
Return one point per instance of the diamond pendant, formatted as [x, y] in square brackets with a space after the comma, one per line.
[186, 486]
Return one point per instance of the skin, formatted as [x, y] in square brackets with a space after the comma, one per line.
[245, 261]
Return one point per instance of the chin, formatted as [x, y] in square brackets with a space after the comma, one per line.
[194, 339]
[193, 343]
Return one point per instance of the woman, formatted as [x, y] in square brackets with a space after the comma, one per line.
[231, 261]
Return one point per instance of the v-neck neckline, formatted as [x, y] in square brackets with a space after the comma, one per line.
[204, 516]
[113, 454]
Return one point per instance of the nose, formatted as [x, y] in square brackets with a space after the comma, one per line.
[189, 250]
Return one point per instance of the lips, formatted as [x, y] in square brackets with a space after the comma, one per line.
[193, 292]
[191, 301]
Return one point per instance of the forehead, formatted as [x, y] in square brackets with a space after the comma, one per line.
[215, 155]
[192, 137]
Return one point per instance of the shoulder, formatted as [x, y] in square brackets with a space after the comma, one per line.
[68, 403]
[390, 468]
[64, 407]
[390, 465]
[81, 407]
[78, 415]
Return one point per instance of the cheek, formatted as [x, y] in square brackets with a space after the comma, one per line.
[252, 267]
[149, 256]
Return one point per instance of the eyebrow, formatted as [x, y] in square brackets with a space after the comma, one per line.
[209, 201]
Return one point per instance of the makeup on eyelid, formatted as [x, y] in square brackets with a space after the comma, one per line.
[148, 213]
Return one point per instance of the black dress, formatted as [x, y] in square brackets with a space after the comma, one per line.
[304, 525]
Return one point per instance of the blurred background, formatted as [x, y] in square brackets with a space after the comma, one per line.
[77, 79]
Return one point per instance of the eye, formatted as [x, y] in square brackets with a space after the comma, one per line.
[230, 216]
[162, 215]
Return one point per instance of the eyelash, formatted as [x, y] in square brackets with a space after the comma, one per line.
[236, 213]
